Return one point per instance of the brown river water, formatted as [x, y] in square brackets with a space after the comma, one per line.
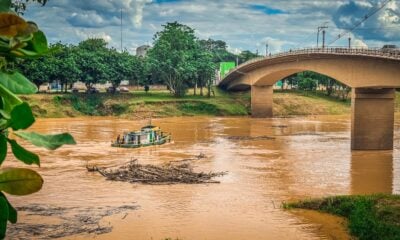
[269, 161]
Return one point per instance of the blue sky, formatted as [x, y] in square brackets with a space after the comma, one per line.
[244, 25]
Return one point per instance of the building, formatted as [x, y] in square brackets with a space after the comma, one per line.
[142, 50]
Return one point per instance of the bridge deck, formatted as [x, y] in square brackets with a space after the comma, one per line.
[311, 53]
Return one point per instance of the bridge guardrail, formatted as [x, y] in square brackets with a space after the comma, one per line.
[380, 52]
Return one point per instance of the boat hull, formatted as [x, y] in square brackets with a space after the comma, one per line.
[128, 145]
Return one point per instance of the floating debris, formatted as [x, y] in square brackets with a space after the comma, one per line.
[63, 222]
[279, 126]
[171, 173]
[249, 138]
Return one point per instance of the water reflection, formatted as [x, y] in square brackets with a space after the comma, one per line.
[371, 172]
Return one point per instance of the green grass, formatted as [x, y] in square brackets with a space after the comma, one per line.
[371, 217]
[162, 104]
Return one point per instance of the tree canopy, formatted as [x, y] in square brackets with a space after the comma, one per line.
[173, 57]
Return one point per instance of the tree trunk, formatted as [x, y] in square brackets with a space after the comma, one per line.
[195, 88]
[201, 90]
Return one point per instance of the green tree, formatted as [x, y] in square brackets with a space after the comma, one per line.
[38, 70]
[63, 65]
[120, 66]
[205, 71]
[218, 49]
[172, 57]
[90, 58]
[246, 55]
[307, 84]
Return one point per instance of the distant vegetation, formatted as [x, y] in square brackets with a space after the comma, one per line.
[371, 217]
[178, 59]
[312, 81]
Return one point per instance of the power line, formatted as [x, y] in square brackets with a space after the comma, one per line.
[371, 13]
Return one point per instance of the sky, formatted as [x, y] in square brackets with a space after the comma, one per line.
[243, 25]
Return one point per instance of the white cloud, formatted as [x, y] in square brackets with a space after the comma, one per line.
[138, 7]
[232, 21]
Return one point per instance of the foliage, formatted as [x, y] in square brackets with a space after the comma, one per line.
[218, 50]
[307, 84]
[246, 55]
[205, 71]
[90, 62]
[19, 39]
[90, 55]
[180, 60]
[119, 66]
[172, 57]
[19, 6]
[308, 80]
[370, 217]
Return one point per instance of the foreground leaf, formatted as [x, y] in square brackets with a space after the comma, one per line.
[21, 117]
[9, 99]
[3, 217]
[48, 141]
[3, 148]
[39, 42]
[5, 5]
[11, 25]
[20, 181]
[22, 154]
[12, 212]
[17, 83]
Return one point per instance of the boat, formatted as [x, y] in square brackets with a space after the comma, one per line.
[147, 136]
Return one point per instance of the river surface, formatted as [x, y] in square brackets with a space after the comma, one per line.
[269, 161]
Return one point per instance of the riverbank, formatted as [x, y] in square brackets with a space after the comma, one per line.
[158, 104]
[369, 216]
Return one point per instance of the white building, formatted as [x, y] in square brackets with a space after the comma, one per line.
[142, 50]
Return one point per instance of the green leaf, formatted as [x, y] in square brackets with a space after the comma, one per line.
[23, 154]
[3, 124]
[39, 42]
[3, 217]
[4, 114]
[12, 212]
[9, 99]
[5, 5]
[17, 83]
[48, 141]
[21, 117]
[3, 148]
[20, 181]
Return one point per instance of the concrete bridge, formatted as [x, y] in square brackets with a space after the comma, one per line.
[373, 75]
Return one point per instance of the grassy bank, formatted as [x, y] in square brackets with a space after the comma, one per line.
[370, 217]
[138, 104]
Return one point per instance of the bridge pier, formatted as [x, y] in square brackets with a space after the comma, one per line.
[261, 101]
[372, 118]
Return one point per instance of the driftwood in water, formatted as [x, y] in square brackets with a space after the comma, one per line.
[171, 173]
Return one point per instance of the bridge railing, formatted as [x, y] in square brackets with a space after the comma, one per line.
[380, 52]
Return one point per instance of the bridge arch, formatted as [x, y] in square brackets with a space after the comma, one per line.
[372, 75]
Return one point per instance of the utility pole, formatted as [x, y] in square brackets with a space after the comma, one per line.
[321, 28]
[349, 42]
[323, 38]
[121, 29]
[266, 49]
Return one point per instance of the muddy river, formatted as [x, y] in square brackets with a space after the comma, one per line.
[269, 161]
